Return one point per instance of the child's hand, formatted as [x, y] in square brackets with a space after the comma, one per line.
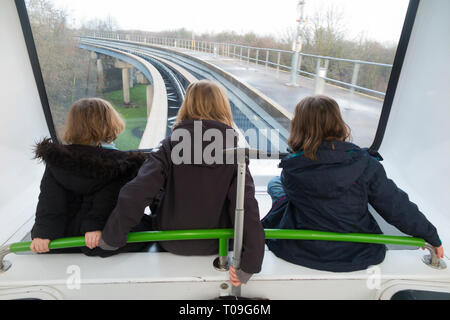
[92, 239]
[40, 245]
[440, 252]
[234, 278]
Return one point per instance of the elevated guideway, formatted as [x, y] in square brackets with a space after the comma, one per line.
[361, 107]
[251, 109]
[157, 104]
[179, 79]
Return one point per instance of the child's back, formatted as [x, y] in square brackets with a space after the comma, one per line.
[332, 194]
[193, 182]
[80, 187]
[326, 185]
[83, 179]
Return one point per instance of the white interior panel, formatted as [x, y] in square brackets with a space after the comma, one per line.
[416, 145]
[22, 123]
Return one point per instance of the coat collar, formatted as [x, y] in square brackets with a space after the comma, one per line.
[328, 152]
[88, 161]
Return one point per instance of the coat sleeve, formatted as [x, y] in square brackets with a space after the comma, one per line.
[103, 204]
[135, 197]
[253, 240]
[394, 206]
[51, 217]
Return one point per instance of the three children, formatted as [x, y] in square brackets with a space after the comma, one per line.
[326, 184]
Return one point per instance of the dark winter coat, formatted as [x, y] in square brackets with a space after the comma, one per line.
[80, 187]
[195, 196]
[332, 195]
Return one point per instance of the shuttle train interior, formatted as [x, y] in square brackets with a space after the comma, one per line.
[412, 136]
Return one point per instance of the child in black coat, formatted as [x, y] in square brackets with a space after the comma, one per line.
[82, 180]
[327, 185]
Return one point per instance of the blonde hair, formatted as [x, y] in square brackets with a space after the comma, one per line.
[316, 119]
[206, 100]
[91, 121]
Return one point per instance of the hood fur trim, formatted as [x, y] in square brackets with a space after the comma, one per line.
[87, 161]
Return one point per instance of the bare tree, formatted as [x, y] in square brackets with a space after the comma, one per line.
[63, 65]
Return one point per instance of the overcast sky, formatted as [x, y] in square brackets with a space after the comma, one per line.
[379, 19]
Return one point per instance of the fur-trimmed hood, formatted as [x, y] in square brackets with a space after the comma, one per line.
[88, 161]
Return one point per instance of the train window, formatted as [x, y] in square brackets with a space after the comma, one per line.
[286, 50]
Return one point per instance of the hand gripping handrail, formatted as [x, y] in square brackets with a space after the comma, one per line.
[223, 235]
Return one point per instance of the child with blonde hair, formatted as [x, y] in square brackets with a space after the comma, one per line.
[83, 177]
[196, 193]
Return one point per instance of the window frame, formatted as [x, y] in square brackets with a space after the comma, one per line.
[35, 65]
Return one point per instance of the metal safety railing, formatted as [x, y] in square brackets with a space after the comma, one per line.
[224, 235]
[267, 57]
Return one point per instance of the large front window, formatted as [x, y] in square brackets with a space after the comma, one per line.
[341, 48]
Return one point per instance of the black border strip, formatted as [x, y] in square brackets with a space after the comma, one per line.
[32, 53]
[396, 71]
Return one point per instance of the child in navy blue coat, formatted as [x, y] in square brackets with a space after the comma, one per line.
[326, 185]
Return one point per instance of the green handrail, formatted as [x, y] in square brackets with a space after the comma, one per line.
[225, 234]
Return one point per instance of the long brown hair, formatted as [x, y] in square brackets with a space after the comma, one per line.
[91, 121]
[316, 119]
[206, 100]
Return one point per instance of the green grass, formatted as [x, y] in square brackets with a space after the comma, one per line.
[135, 117]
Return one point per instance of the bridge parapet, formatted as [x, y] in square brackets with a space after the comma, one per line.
[279, 60]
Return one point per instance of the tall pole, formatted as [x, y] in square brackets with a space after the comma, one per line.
[239, 216]
[298, 42]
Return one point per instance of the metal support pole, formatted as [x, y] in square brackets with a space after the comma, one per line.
[278, 64]
[240, 56]
[221, 263]
[327, 63]
[294, 68]
[297, 46]
[355, 77]
[318, 64]
[248, 55]
[239, 216]
[267, 59]
[300, 59]
[321, 74]
[4, 265]
[257, 57]
[432, 260]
